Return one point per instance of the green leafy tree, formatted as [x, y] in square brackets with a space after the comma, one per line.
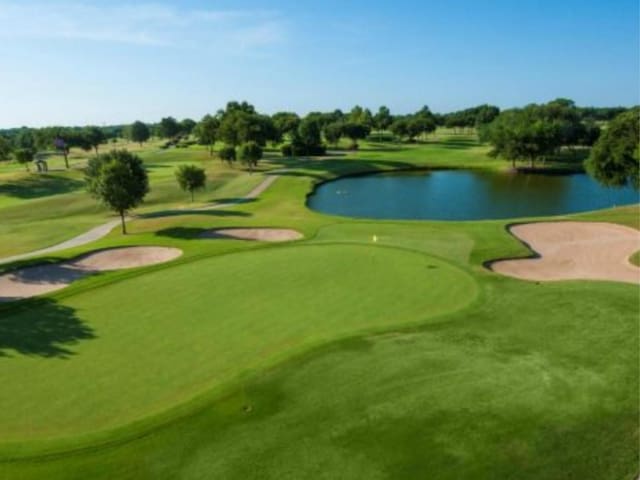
[615, 157]
[24, 156]
[139, 132]
[93, 138]
[119, 180]
[190, 178]
[206, 131]
[383, 119]
[25, 139]
[333, 133]
[400, 128]
[228, 154]
[187, 125]
[355, 131]
[250, 153]
[521, 134]
[286, 123]
[5, 148]
[168, 127]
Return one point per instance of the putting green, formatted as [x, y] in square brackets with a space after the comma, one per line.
[138, 347]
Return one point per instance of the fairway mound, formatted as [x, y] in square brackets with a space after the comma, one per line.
[259, 234]
[574, 250]
[31, 281]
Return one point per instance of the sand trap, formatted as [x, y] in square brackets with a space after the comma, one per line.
[259, 234]
[574, 250]
[32, 281]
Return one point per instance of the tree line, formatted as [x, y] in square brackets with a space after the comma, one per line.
[537, 132]
[529, 134]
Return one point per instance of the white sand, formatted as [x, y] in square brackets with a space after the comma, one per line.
[259, 234]
[32, 281]
[575, 250]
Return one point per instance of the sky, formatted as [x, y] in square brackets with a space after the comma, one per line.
[112, 62]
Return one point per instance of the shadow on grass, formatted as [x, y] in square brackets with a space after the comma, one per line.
[456, 143]
[233, 200]
[40, 185]
[182, 233]
[41, 327]
[212, 213]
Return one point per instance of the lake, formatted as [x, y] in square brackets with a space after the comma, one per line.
[465, 195]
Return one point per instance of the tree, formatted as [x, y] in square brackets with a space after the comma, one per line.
[355, 131]
[190, 178]
[187, 125]
[24, 156]
[286, 123]
[238, 126]
[615, 157]
[168, 127]
[228, 154]
[25, 139]
[400, 127]
[93, 137]
[5, 148]
[383, 119]
[139, 132]
[250, 153]
[206, 131]
[119, 180]
[333, 133]
[521, 134]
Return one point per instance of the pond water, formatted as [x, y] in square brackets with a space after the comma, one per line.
[465, 195]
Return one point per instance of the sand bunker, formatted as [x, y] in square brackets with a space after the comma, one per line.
[259, 234]
[32, 281]
[574, 250]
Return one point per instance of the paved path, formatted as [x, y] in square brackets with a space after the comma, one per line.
[102, 230]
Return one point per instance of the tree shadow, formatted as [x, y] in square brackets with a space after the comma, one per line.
[42, 185]
[176, 213]
[41, 327]
[182, 233]
[457, 143]
[233, 200]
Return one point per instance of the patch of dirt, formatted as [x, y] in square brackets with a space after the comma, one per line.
[259, 234]
[31, 281]
[574, 250]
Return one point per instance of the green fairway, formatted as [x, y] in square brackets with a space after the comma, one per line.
[40, 210]
[227, 315]
[369, 349]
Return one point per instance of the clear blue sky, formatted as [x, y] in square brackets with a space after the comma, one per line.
[115, 62]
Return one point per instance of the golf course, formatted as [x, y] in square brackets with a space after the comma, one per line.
[344, 347]
[289, 240]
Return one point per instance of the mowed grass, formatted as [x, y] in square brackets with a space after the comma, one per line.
[40, 210]
[411, 371]
[226, 315]
[539, 382]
